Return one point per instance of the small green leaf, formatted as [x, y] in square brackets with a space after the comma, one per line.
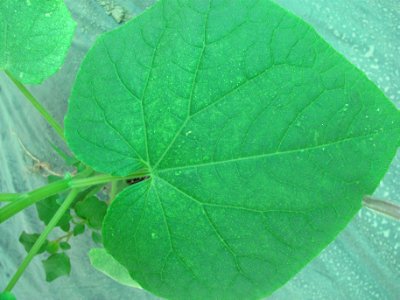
[65, 246]
[86, 193]
[97, 238]
[260, 141]
[47, 208]
[7, 296]
[35, 36]
[56, 265]
[105, 263]
[52, 247]
[78, 229]
[93, 210]
[29, 239]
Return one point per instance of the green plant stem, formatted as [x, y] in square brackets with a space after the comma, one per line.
[23, 200]
[104, 178]
[64, 237]
[53, 123]
[27, 199]
[42, 238]
[388, 209]
[9, 197]
[93, 191]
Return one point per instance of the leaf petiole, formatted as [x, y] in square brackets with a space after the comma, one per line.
[27, 199]
[104, 178]
[65, 237]
[22, 201]
[7, 197]
[52, 122]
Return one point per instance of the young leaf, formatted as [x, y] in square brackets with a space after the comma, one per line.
[93, 210]
[52, 247]
[78, 229]
[65, 246]
[260, 140]
[46, 210]
[28, 239]
[56, 265]
[105, 263]
[97, 238]
[35, 36]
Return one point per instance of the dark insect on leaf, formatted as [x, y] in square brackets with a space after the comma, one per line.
[136, 180]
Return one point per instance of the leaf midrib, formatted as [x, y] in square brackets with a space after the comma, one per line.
[276, 153]
[193, 87]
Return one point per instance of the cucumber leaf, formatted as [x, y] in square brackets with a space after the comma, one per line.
[105, 263]
[35, 36]
[260, 141]
[56, 265]
[29, 239]
[93, 210]
[78, 229]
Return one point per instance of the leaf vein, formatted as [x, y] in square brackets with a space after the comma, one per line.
[271, 154]
[145, 90]
[193, 86]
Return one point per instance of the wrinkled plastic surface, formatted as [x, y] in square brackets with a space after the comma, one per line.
[363, 263]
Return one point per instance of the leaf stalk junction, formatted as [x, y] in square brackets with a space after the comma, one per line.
[18, 202]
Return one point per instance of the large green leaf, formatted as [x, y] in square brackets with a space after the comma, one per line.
[260, 141]
[35, 36]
